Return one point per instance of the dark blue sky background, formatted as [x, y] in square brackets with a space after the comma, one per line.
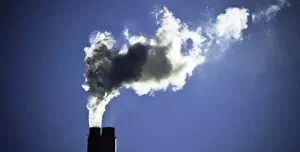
[248, 101]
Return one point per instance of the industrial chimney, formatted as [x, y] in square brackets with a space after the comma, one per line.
[94, 140]
[108, 139]
[106, 142]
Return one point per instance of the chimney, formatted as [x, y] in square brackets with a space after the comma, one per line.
[94, 140]
[108, 139]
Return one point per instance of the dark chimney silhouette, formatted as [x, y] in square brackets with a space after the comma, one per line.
[105, 142]
[108, 139]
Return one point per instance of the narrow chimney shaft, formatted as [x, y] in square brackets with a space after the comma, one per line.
[94, 140]
[108, 139]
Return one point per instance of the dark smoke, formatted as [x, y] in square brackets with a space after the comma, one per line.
[107, 70]
[128, 68]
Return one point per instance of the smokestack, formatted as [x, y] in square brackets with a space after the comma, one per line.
[94, 140]
[108, 139]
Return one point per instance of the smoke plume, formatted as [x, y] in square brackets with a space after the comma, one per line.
[158, 63]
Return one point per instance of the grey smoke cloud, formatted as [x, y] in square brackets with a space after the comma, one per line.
[107, 70]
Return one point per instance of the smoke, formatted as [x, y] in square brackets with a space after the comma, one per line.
[146, 65]
[270, 12]
[230, 24]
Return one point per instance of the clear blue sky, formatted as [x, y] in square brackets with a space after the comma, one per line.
[248, 101]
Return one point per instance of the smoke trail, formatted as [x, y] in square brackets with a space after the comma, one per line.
[153, 64]
[270, 12]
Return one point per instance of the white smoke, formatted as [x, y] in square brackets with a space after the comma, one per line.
[231, 24]
[169, 62]
[172, 33]
[270, 12]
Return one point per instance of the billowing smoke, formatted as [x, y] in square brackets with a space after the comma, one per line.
[158, 63]
[230, 24]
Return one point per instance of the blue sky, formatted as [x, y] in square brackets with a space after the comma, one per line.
[245, 101]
